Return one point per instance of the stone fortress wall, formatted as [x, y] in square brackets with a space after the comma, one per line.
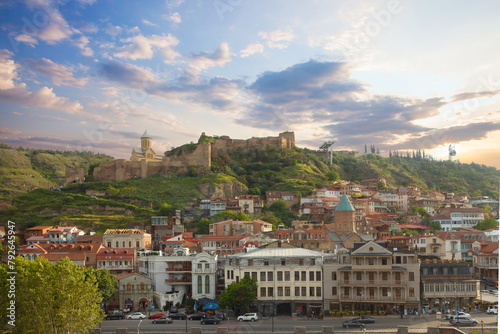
[201, 158]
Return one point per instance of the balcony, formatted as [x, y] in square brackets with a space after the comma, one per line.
[188, 269]
[115, 267]
[375, 283]
[374, 298]
[178, 280]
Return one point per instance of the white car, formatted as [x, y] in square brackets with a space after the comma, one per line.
[492, 310]
[248, 317]
[136, 315]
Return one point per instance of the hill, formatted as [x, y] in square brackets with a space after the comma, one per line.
[22, 169]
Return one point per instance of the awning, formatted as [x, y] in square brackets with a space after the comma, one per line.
[487, 298]
[211, 306]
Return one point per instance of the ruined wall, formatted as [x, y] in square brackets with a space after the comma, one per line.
[74, 175]
[285, 140]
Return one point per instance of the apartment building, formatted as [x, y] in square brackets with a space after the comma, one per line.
[452, 219]
[485, 261]
[290, 279]
[127, 238]
[373, 278]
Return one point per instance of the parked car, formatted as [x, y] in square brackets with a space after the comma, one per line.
[248, 317]
[459, 314]
[492, 310]
[174, 309]
[115, 315]
[210, 320]
[352, 323]
[463, 322]
[156, 316]
[198, 316]
[163, 320]
[177, 316]
[365, 319]
[136, 315]
[220, 316]
[494, 292]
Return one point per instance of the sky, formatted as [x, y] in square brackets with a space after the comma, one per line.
[402, 75]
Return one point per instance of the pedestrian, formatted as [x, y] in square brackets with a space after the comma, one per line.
[401, 315]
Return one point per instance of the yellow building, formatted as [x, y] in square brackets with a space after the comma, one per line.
[145, 152]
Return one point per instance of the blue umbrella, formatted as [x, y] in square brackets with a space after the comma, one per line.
[195, 306]
[211, 306]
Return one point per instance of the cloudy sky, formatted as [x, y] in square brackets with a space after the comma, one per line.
[397, 74]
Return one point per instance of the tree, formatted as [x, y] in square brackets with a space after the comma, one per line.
[278, 206]
[203, 226]
[166, 210]
[106, 282]
[50, 298]
[332, 176]
[239, 295]
[487, 224]
[272, 219]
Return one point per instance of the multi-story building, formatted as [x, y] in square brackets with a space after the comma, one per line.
[462, 239]
[250, 204]
[273, 196]
[127, 238]
[116, 260]
[485, 261]
[389, 199]
[222, 245]
[133, 292]
[428, 203]
[447, 285]
[290, 279]
[82, 254]
[181, 275]
[314, 239]
[373, 278]
[452, 219]
[64, 234]
[235, 227]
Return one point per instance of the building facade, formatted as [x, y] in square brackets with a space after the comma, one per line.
[373, 278]
[127, 238]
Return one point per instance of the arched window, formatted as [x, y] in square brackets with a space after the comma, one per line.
[142, 286]
[199, 285]
[129, 286]
[207, 284]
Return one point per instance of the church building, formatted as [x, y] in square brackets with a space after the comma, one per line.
[145, 152]
[344, 220]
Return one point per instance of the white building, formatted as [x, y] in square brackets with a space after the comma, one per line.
[452, 219]
[290, 279]
[181, 273]
[64, 234]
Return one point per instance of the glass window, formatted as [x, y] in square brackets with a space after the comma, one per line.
[302, 275]
[270, 276]
[262, 292]
[280, 276]
[263, 276]
[311, 291]
[207, 284]
[199, 285]
[280, 291]
[287, 291]
[304, 291]
[287, 276]
[334, 276]
[318, 276]
[311, 275]
[270, 292]
[318, 291]
[297, 275]
[334, 290]
[297, 291]
[254, 275]
[411, 276]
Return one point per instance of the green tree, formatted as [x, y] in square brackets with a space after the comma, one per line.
[487, 224]
[106, 282]
[278, 206]
[332, 176]
[225, 215]
[203, 226]
[166, 210]
[239, 295]
[50, 298]
[272, 219]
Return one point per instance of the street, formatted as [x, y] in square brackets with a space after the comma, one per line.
[286, 324]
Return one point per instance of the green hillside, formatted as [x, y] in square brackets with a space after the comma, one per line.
[22, 170]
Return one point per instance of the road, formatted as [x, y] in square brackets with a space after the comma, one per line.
[286, 324]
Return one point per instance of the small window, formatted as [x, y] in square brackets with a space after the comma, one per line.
[301, 262]
[266, 262]
[283, 262]
[250, 262]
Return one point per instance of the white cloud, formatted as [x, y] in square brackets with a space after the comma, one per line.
[174, 3]
[82, 43]
[112, 30]
[175, 17]
[88, 27]
[277, 39]
[251, 49]
[31, 41]
[61, 75]
[87, 2]
[56, 29]
[149, 23]
[204, 60]
[142, 47]
[14, 92]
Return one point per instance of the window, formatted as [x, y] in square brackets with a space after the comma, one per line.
[228, 275]
[398, 277]
[207, 284]
[384, 262]
[270, 276]
[262, 276]
[334, 276]
[313, 262]
[237, 262]
[301, 262]
[318, 291]
[262, 292]
[117, 244]
[304, 292]
[412, 292]
[130, 243]
[250, 262]
[398, 259]
[384, 292]
[283, 262]
[280, 276]
[297, 291]
[280, 291]
[311, 291]
[425, 271]
[287, 291]
[129, 287]
[297, 276]
[302, 275]
[411, 276]
[358, 276]
[199, 285]
[254, 275]
[270, 292]
[199, 265]
[334, 290]
[371, 262]
[434, 270]
[455, 270]
[109, 244]
[266, 262]
[358, 262]
[384, 276]
[287, 276]
[137, 244]
[247, 274]
[445, 270]
[318, 276]
[311, 275]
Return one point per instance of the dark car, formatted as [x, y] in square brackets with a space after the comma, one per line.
[220, 316]
[156, 316]
[198, 316]
[162, 320]
[459, 321]
[365, 319]
[210, 320]
[351, 323]
[177, 316]
[174, 309]
[115, 315]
